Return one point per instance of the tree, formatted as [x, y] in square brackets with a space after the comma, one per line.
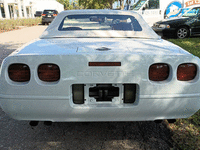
[121, 4]
[64, 2]
[96, 4]
[87, 4]
[69, 5]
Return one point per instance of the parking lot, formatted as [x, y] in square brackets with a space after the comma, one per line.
[71, 135]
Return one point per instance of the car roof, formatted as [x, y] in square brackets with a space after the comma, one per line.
[98, 11]
[53, 32]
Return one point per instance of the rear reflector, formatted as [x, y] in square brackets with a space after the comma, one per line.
[96, 64]
[19, 72]
[78, 93]
[49, 72]
[158, 72]
[186, 72]
[129, 93]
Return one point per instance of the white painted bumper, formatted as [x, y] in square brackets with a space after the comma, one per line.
[61, 109]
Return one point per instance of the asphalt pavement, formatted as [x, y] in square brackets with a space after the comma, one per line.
[18, 135]
[10, 41]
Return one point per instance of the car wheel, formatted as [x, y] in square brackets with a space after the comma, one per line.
[43, 23]
[182, 33]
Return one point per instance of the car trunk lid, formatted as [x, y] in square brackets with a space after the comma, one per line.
[65, 46]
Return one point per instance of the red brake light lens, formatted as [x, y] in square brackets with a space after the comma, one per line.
[158, 72]
[96, 64]
[19, 72]
[54, 15]
[49, 72]
[186, 72]
[43, 14]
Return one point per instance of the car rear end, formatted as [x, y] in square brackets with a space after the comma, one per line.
[48, 16]
[116, 69]
[88, 84]
[38, 14]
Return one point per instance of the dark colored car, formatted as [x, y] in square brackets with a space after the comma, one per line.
[181, 27]
[38, 14]
[97, 19]
[48, 16]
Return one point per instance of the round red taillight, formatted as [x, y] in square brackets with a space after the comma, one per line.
[19, 72]
[186, 72]
[158, 72]
[49, 72]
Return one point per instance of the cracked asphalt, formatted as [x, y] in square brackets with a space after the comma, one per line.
[18, 135]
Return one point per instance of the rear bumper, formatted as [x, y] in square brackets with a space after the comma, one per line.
[61, 109]
[47, 20]
[165, 32]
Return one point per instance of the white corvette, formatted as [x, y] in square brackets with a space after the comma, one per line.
[99, 65]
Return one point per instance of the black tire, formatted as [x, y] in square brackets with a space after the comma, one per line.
[43, 23]
[182, 32]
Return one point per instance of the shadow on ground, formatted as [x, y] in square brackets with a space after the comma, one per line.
[84, 136]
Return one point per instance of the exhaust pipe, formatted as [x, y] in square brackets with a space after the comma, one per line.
[158, 121]
[33, 123]
[48, 123]
[171, 120]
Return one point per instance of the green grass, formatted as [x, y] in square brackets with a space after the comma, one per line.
[192, 45]
[186, 132]
[10, 24]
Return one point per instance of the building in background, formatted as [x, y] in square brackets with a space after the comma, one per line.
[26, 8]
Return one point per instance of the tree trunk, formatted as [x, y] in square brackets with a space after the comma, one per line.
[111, 4]
[121, 4]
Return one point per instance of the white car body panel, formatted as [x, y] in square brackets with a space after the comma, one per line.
[42, 101]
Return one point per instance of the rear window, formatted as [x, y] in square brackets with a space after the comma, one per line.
[49, 12]
[100, 22]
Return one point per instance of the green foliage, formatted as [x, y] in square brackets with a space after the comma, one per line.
[68, 5]
[88, 4]
[192, 45]
[11, 24]
[65, 3]
[95, 4]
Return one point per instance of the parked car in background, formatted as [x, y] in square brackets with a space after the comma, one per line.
[38, 14]
[48, 16]
[155, 10]
[181, 27]
[115, 70]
